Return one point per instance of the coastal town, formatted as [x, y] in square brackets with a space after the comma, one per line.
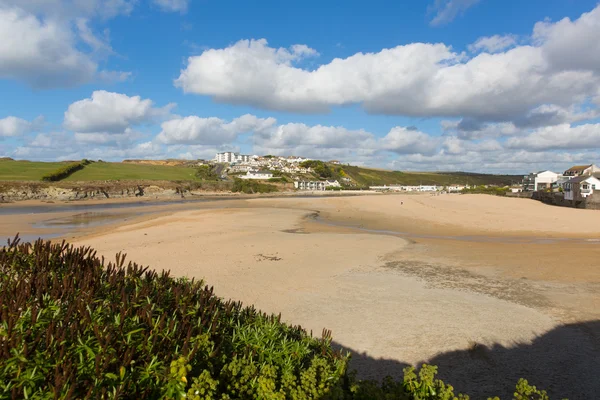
[572, 187]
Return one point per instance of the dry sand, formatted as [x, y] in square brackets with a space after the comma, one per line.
[463, 281]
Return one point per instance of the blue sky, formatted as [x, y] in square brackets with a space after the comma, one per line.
[478, 85]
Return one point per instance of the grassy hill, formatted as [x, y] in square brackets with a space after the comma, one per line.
[11, 170]
[365, 177]
[101, 171]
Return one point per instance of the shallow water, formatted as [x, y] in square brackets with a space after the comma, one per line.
[89, 216]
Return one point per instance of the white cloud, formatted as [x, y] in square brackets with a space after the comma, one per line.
[67, 9]
[111, 113]
[41, 53]
[172, 5]
[401, 140]
[13, 126]
[571, 45]
[447, 10]
[418, 79]
[493, 44]
[559, 137]
[209, 131]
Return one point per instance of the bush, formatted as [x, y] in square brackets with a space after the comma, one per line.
[494, 190]
[206, 172]
[65, 171]
[251, 186]
[73, 327]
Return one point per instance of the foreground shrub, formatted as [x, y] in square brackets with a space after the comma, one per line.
[493, 190]
[74, 327]
[66, 171]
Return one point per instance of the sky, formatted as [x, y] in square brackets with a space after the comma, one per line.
[500, 86]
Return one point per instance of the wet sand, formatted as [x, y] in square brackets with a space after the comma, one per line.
[453, 279]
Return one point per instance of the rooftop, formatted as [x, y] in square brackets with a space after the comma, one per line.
[578, 168]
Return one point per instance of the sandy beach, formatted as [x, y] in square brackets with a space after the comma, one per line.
[489, 288]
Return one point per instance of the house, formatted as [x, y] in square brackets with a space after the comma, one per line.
[544, 179]
[428, 188]
[580, 187]
[579, 170]
[257, 175]
[516, 189]
[332, 183]
[310, 185]
[455, 188]
[529, 182]
[335, 162]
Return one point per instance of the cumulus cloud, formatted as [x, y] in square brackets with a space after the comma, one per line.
[111, 113]
[62, 9]
[493, 44]
[13, 126]
[404, 141]
[571, 45]
[209, 131]
[562, 136]
[446, 10]
[43, 54]
[418, 79]
[172, 5]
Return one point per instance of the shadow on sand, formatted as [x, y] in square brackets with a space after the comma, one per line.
[564, 361]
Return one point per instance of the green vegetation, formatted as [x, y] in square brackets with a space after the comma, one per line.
[65, 171]
[374, 177]
[11, 170]
[103, 171]
[321, 169]
[74, 327]
[206, 172]
[497, 191]
[250, 186]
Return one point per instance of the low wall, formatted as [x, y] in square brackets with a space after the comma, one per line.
[557, 199]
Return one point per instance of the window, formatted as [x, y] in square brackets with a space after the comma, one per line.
[593, 187]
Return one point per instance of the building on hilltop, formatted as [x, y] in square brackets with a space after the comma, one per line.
[231, 157]
[579, 170]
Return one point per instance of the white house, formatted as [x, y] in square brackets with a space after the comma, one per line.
[310, 185]
[428, 188]
[332, 183]
[581, 187]
[544, 180]
[455, 188]
[257, 175]
[579, 170]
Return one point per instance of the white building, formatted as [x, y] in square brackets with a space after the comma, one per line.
[332, 183]
[428, 188]
[231, 157]
[544, 180]
[257, 175]
[455, 188]
[310, 185]
[581, 187]
[579, 170]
